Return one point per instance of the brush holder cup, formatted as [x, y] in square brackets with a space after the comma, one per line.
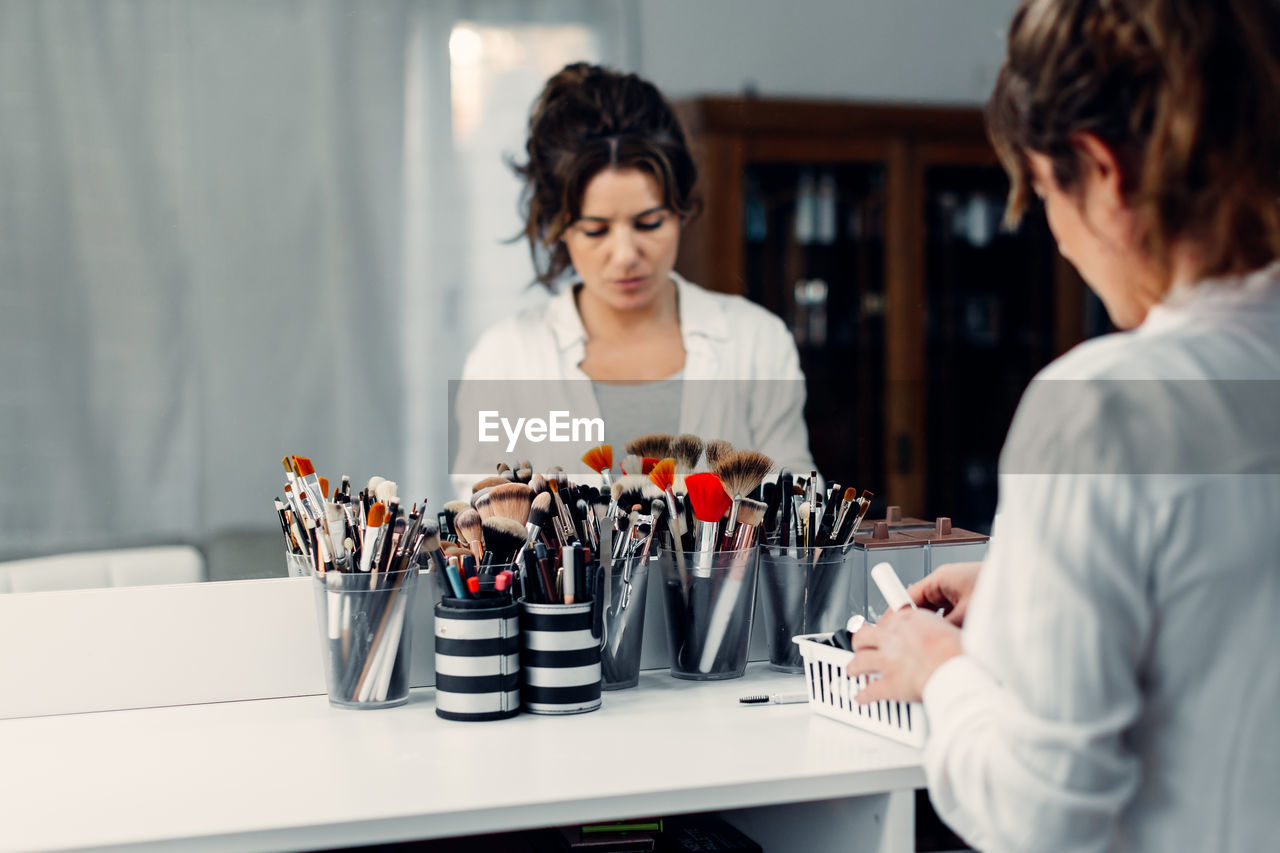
[625, 597]
[807, 591]
[559, 658]
[709, 598]
[477, 659]
[297, 565]
[366, 630]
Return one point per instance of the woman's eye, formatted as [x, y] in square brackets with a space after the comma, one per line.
[595, 232]
[649, 224]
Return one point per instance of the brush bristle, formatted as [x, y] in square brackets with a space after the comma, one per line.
[742, 470]
[468, 526]
[486, 483]
[686, 450]
[646, 465]
[377, 514]
[430, 533]
[324, 487]
[386, 490]
[851, 494]
[540, 509]
[599, 458]
[483, 503]
[288, 466]
[707, 495]
[656, 444]
[372, 485]
[663, 474]
[751, 512]
[455, 507]
[717, 450]
[502, 537]
[511, 501]
[538, 484]
[523, 475]
[303, 466]
[633, 489]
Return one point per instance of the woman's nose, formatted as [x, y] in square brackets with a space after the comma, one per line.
[625, 249]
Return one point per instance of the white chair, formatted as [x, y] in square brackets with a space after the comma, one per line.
[94, 569]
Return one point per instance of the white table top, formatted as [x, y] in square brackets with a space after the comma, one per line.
[294, 773]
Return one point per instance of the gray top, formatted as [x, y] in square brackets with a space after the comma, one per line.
[632, 409]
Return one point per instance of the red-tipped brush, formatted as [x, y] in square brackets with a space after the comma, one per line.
[324, 487]
[600, 460]
[710, 502]
[646, 465]
[310, 495]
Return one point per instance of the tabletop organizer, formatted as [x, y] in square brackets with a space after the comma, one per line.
[831, 693]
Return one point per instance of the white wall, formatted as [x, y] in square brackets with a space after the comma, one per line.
[900, 50]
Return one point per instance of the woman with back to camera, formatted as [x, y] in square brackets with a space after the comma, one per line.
[1115, 685]
[609, 183]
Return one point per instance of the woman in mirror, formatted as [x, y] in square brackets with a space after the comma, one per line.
[609, 185]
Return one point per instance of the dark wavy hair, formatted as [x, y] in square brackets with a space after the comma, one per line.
[1186, 93]
[588, 119]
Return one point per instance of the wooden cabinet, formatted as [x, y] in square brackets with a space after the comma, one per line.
[873, 231]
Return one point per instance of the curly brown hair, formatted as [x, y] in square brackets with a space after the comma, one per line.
[588, 119]
[1186, 93]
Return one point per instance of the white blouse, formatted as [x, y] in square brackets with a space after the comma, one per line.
[1119, 688]
[742, 378]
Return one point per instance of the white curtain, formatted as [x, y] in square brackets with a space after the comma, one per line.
[238, 229]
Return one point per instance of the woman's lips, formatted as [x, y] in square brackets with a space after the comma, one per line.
[634, 283]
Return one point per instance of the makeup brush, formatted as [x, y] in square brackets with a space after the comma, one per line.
[656, 444]
[600, 460]
[429, 543]
[308, 485]
[373, 531]
[716, 450]
[510, 501]
[503, 537]
[539, 514]
[663, 476]
[324, 486]
[470, 530]
[686, 449]
[372, 485]
[633, 489]
[482, 503]
[710, 501]
[486, 483]
[557, 501]
[741, 471]
[537, 484]
[750, 515]
[631, 465]
[450, 512]
[524, 474]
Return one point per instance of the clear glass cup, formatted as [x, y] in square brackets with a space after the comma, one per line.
[807, 591]
[623, 632]
[297, 565]
[366, 630]
[709, 598]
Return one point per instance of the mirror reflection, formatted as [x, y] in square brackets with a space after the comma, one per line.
[235, 231]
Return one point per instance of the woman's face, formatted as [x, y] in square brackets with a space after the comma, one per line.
[1098, 233]
[624, 245]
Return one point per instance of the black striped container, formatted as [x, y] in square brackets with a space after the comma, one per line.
[559, 658]
[477, 659]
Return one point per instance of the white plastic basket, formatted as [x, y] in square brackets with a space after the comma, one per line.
[832, 695]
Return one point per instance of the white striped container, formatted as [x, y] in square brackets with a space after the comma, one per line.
[559, 658]
[477, 659]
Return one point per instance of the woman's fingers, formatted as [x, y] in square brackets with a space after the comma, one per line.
[866, 637]
[869, 662]
[877, 691]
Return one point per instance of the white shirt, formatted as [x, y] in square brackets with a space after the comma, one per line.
[742, 379]
[1120, 688]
